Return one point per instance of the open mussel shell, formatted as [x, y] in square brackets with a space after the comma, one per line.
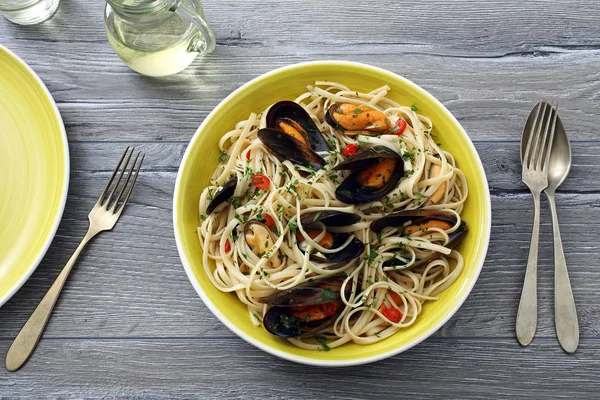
[420, 217]
[353, 250]
[413, 216]
[223, 194]
[455, 238]
[367, 157]
[350, 191]
[330, 218]
[280, 321]
[290, 110]
[357, 119]
[286, 147]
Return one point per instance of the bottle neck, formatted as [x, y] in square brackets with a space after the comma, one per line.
[141, 9]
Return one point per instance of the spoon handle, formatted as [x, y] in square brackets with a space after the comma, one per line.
[527, 314]
[565, 314]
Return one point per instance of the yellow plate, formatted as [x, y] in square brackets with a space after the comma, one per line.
[34, 171]
[200, 161]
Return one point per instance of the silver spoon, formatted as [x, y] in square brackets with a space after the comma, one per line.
[565, 314]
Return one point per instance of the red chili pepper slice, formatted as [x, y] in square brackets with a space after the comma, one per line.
[350, 150]
[261, 181]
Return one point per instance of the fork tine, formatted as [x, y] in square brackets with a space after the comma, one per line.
[540, 148]
[112, 192]
[131, 168]
[544, 145]
[550, 141]
[137, 171]
[100, 199]
[532, 139]
[536, 153]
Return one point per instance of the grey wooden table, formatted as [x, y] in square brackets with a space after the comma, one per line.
[129, 322]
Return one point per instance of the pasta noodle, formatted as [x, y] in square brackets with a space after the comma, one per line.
[431, 181]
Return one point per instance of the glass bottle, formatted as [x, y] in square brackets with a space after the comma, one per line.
[157, 37]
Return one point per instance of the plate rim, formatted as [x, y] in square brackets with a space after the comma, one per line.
[300, 359]
[65, 189]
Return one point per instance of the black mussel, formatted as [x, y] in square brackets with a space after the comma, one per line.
[414, 219]
[330, 218]
[377, 171]
[358, 119]
[418, 222]
[330, 240]
[305, 309]
[286, 147]
[223, 194]
[293, 119]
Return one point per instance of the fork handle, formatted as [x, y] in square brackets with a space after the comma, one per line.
[527, 314]
[565, 314]
[26, 341]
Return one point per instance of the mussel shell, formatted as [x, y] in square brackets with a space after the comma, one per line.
[330, 218]
[351, 192]
[294, 111]
[308, 293]
[279, 322]
[286, 147]
[353, 250]
[402, 217]
[455, 238]
[222, 195]
[367, 157]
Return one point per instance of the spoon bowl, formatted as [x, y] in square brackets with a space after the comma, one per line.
[560, 158]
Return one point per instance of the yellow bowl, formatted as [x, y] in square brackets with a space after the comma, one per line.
[34, 171]
[200, 161]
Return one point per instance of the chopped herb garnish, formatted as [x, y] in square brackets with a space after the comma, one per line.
[317, 216]
[323, 342]
[414, 107]
[223, 157]
[293, 226]
[407, 155]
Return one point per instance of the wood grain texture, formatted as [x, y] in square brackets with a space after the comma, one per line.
[129, 323]
[488, 67]
[219, 368]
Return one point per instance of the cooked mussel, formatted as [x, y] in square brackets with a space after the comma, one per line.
[223, 194]
[305, 309]
[314, 222]
[260, 239]
[358, 119]
[330, 240]
[434, 171]
[418, 222]
[293, 119]
[287, 147]
[377, 171]
[330, 218]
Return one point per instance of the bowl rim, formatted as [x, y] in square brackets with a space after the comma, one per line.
[66, 178]
[282, 354]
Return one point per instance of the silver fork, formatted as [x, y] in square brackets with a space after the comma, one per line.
[535, 150]
[103, 217]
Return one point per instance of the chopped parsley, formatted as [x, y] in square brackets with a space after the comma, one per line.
[414, 107]
[223, 157]
[293, 226]
[322, 340]
[407, 155]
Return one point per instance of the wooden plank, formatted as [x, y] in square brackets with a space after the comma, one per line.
[467, 28]
[219, 368]
[130, 283]
[491, 94]
[101, 98]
